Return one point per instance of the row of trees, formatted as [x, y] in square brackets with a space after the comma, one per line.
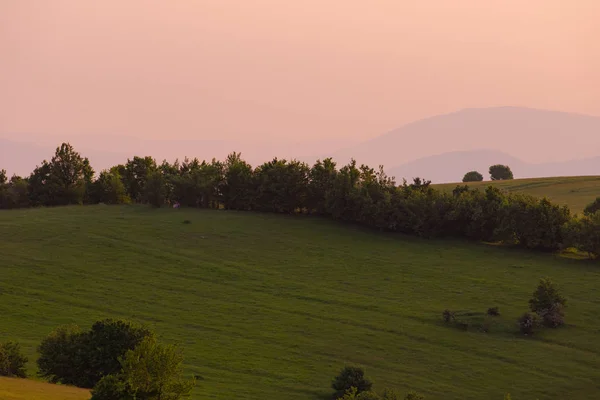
[352, 193]
[117, 359]
[497, 172]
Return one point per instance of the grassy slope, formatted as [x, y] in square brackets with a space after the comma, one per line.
[576, 192]
[271, 307]
[21, 389]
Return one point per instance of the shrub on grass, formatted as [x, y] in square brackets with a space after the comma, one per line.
[548, 303]
[448, 316]
[493, 311]
[348, 378]
[12, 361]
[414, 396]
[527, 324]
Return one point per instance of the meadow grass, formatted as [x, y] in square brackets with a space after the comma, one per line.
[575, 192]
[272, 307]
[23, 389]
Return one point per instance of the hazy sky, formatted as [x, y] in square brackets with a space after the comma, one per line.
[305, 69]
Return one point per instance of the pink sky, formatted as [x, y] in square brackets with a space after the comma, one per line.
[301, 70]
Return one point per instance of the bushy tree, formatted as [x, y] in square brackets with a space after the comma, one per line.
[548, 303]
[500, 172]
[472, 176]
[62, 356]
[237, 190]
[155, 190]
[66, 179]
[113, 387]
[75, 357]
[584, 234]
[135, 173]
[12, 361]
[109, 188]
[348, 378]
[155, 372]
[592, 208]
[527, 323]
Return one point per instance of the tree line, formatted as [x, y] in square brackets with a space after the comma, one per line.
[351, 193]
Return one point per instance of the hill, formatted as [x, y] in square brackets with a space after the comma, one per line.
[451, 167]
[273, 307]
[534, 136]
[575, 192]
[23, 389]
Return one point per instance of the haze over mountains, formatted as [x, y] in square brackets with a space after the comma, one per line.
[441, 148]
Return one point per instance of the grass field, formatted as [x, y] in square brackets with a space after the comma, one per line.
[21, 389]
[575, 192]
[272, 307]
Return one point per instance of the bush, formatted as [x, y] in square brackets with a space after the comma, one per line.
[527, 323]
[473, 176]
[493, 311]
[73, 357]
[553, 317]
[350, 377]
[111, 387]
[414, 396]
[592, 208]
[12, 361]
[548, 303]
[448, 316]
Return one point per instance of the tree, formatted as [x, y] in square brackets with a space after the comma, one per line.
[134, 175]
[473, 176]
[154, 371]
[500, 172]
[548, 303]
[74, 357]
[66, 179]
[155, 189]
[3, 177]
[109, 188]
[351, 377]
[62, 355]
[12, 361]
[592, 208]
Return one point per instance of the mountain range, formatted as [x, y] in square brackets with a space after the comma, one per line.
[441, 148]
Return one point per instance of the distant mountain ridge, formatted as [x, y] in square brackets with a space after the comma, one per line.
[451, 167]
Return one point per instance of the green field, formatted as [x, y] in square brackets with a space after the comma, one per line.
[272, 307]
[21, 389]
[575, 192]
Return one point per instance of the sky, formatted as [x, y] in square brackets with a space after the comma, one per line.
[310, 70]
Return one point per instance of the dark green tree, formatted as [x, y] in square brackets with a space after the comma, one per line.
[472, 176]
[109, 188]
[237, 190]
[155, 190]
[12, 361]
[548, 303]
[500, 172]
[135, 174]
[592, 208]
[348, 378]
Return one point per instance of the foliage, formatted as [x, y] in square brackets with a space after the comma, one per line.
[448, 316]
[155, 189]
[74, 357]
[109, 188]
[387, 394]
[155, 371]
[493, 311]
[351, 377]
[527, 323]
[112, 387]
[12, 361]
[472, 176]
[548, 303]
[592, 208]
[584, 234]
[414, 396]
[500, 172]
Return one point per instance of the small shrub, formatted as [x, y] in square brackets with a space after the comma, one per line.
[527, 324]
[592, 208]
[414, 396]
[111, 387]
[553, 317]
[12, 361]
[187, 221]
[348, 378]
[493, 311]
[448, 316]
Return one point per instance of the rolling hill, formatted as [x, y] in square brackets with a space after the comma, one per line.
[574, 192]
[272, 307]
